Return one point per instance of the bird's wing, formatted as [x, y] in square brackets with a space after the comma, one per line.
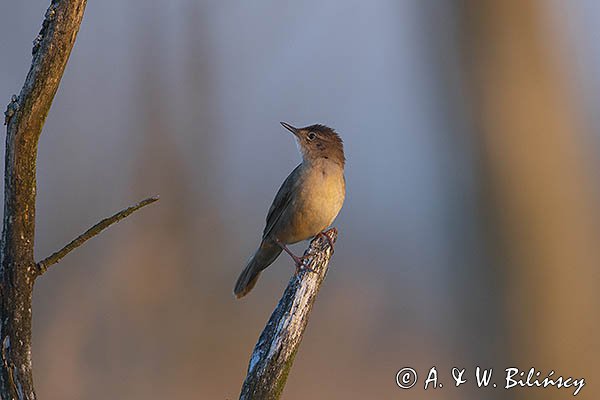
[282, 199]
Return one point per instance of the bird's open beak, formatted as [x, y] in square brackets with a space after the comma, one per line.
[290, 128]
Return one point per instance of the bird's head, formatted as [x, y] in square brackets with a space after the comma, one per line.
[318, 141]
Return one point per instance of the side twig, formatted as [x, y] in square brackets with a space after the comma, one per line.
[43, 265]
[278, 344]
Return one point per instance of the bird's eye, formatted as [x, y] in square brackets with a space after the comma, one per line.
[311, 136]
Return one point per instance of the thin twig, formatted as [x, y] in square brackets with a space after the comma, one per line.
[43, 265]
[278, 344]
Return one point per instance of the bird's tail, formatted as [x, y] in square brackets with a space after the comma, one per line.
[264, 256]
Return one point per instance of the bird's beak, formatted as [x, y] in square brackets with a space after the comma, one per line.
[290, 128]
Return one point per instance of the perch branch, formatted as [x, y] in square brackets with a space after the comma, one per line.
[43, 265]
[278, 344]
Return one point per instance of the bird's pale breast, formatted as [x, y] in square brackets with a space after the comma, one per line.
[317, 204]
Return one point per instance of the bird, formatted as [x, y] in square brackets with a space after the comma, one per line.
[307, 202]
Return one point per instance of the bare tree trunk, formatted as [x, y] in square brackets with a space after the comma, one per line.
[276, 349]
[25, 118]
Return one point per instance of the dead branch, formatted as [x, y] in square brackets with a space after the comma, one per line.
[278, 344]
[25, 117]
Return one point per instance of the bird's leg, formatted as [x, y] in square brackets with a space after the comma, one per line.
[299, 261]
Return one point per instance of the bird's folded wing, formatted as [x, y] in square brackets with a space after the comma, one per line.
[282, 200]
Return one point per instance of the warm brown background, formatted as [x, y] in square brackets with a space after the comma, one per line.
[470, 233]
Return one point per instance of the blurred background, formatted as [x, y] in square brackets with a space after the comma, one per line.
[469, 237]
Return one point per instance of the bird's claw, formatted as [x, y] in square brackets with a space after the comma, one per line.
[299, 261]
[323, 234]
[301, 267]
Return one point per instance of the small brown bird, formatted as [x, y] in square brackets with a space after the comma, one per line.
[307, 202]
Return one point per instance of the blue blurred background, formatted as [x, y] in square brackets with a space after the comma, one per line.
[470, 232]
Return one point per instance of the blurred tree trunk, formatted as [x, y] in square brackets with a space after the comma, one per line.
[539, 182]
